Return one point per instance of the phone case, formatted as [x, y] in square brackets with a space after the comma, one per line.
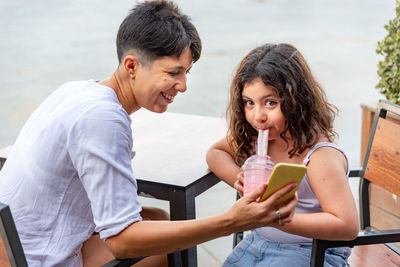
[283, 174]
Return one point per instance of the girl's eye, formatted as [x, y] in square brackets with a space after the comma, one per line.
[247, 102]
[270, 103]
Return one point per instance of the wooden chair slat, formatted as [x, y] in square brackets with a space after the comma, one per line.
[374, 255]
[4, 262]
[383, 167]
[380, 197]
[382, 220]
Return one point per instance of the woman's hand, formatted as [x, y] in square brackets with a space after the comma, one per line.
[238, 185]
[281, 221]
[247, 213]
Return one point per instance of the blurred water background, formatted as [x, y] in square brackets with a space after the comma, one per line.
[46, 43]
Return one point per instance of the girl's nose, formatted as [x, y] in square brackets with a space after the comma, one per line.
[260, 115]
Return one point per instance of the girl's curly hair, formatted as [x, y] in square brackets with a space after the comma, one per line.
[303, 101]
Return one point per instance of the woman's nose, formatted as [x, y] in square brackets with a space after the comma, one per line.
[181, 84]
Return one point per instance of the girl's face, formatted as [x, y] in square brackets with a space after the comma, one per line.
[157, 86]
[262, 108]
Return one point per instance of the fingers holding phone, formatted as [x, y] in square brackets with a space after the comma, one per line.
[272, 214]
[285, 213]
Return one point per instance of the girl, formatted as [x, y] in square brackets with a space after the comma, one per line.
[274, 89]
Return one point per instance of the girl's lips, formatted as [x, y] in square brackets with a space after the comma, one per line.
[262, 128]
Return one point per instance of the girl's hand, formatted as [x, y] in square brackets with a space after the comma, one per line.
[238, 185]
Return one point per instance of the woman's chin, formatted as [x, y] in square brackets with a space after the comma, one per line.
[158, 108]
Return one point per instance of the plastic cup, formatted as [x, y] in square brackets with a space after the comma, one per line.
[257, 170]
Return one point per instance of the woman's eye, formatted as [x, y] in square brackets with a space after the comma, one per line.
[172, 73]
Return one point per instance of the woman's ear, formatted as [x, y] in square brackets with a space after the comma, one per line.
[130, 64]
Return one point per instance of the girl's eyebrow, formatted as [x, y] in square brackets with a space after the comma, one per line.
[245, 98]
[273, 95]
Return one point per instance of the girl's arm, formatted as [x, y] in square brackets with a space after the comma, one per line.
[220, 160]
[339, 219]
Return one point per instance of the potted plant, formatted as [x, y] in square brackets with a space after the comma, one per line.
[389, 75]
[389, 67]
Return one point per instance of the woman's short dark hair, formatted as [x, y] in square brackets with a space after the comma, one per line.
[304, 104]
[155, 29]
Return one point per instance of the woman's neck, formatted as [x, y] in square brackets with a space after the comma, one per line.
[123, 90]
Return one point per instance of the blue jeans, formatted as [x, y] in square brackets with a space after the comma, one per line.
[256, 251]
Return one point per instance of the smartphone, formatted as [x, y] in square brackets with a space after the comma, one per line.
[283, 174]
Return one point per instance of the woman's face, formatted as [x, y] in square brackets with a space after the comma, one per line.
[262, 108]
[156, 86]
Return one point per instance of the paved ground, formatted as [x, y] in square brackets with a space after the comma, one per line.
[46, 43]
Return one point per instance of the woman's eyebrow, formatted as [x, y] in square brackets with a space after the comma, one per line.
[178, 67]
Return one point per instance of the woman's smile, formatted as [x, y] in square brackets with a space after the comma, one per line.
[168, 97]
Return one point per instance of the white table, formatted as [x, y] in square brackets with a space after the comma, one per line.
[170, 163]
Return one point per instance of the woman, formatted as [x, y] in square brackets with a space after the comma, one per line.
[69, 174]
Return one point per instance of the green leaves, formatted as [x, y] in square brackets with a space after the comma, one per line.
[389, 68]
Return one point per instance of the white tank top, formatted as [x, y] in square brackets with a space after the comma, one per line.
[308, 203]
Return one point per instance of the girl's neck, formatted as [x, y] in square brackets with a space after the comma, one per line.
[279, 151]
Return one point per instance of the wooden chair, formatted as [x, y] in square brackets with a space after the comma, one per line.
[381, 168]
[2, 161]
[10, 243]
[11, 251]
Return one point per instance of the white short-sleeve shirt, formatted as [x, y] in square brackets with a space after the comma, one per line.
[69, 174]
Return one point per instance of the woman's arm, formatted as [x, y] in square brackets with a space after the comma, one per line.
[220, 160]
[159, 237]
[339, 219]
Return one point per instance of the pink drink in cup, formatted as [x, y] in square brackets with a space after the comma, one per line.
[258, 168]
